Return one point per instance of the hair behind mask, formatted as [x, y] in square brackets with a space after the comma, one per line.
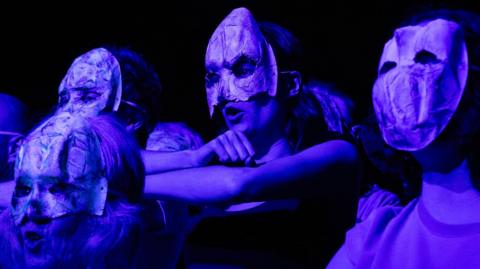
[121, 156]
[313, 115]
[141, 92]
[110, 238]
[464, 125]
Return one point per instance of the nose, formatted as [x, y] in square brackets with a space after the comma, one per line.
[37, 210]
[227, 86]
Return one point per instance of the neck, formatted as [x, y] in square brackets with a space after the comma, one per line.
[447, 191]
[273, 149]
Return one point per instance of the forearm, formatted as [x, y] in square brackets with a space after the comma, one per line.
[158, 162]
[328, 170]
[203, 185]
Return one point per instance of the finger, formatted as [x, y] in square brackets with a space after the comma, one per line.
[220, 150]
[250, 161]
[232, 153]
[246, 143]
[237, 145]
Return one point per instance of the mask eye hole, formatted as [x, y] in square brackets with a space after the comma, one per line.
[63, 99]
[387, 66]
[22, 190]
[244, 67]
[87, 95]
[61, 188]
[426, 57]
[211, 78]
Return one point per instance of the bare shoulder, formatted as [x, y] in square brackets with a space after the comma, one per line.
[337, 150]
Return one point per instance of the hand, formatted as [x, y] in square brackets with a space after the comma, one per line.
[230, 148]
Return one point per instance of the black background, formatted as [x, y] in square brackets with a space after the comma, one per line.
[342, 41]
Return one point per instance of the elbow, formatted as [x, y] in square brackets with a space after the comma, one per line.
[348, 152]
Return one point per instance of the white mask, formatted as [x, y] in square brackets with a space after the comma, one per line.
[422, 76]
[239, 61]
[93, 83]
[59, 171]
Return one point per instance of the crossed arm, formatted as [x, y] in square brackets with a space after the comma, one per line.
[322, 170]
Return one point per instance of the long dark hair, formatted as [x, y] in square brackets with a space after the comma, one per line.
[313, 115]
[141, 91]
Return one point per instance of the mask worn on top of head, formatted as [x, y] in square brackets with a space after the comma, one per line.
[92, 84]
[239, 61]
[169, 137]
[59, 171]
[422, 76]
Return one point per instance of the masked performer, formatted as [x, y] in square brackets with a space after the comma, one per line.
[426, 101]
[75, 203]
[306, 176]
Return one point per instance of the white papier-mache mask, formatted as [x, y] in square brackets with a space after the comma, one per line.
[422, 77]
[93, 83]
[174, 136]
[59, 170]
[239, 61]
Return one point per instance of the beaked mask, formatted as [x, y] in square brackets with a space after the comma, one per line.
[239, 61]
[93, 83]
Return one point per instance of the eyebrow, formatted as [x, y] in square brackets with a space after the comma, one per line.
[229, 64]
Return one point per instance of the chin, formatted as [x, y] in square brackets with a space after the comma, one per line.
[240, 127]
[38, 261]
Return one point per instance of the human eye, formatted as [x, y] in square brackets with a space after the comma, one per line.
[87, 95]
[22, 190]
[244, 66]
[211, 78]
[61, 188]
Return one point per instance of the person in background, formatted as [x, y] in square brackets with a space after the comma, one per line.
[426, 99]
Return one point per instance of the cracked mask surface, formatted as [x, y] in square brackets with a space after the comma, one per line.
[169, 137]
[59, 171]
[421, 80]
[93, 83]
[239, 61]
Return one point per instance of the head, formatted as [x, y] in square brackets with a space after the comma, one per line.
[248, 80]
[113, 80]
[13, 124]
[426, 93]
[173, 137]
[72, 176]
[141, 93]
[93, 83]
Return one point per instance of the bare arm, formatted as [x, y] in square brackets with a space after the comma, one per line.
[204, 185]
[328, 169]
[229, 147]
[157, 162]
